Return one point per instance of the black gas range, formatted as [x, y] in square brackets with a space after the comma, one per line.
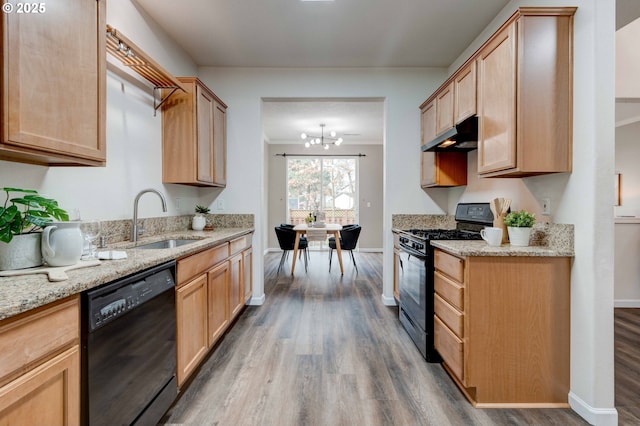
[415, 271]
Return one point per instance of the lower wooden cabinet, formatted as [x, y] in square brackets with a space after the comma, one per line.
[191, 312]
[247, 273]
[218, 306]
[47, 395]
[502, 327]
[396, 272]
[210, 292]
[40, 366]
[236, 285]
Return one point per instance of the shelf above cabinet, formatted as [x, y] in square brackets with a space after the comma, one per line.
[133, 57]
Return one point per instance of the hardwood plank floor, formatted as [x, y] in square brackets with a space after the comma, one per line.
[324, 350]
[627, 365]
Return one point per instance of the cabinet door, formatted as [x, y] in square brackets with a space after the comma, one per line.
[218, 305]
[396, 273]
[54, 84]
[49, 394]
[497, 103]
[191, 323]
[236, 287]
[464, 90]
[220, 144]
[247, 273]
[444, 109]
[205, 107]
[427, 133]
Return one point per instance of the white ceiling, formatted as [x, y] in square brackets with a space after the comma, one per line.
[340, 33]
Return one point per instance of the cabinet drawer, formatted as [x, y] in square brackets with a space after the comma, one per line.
[449, 290]
[240, 244]
[450, 348]
[453, 318]
[199, 263]
[33, 337]
[450, 265]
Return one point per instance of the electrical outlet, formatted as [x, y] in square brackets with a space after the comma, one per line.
[220, 204]
[179, 205]
[546, 206]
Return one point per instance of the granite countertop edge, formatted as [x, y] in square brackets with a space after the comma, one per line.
[481, 248]
[22, 293]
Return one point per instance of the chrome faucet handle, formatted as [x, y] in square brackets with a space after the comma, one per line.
[103, 241]
[141, 229]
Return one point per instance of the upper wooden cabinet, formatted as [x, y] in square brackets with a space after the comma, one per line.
[439, 168]
[53, 104]
[525, 95]
[194, 136]
[464, 89]
[444, 110]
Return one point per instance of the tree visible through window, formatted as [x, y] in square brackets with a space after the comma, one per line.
[323, 184]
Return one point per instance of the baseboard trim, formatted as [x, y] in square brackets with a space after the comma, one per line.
[256, 301]
[626, 303]
[388, 301]
[595, 416]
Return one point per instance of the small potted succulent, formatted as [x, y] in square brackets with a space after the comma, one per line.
[519, 224]
[21, 220]
[199, 221]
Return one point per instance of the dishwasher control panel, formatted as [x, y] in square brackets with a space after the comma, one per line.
[118, 298]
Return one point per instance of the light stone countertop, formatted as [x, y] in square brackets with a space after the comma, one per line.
[25, 292]
[481, 248]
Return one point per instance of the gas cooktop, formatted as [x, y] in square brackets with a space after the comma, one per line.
[443, 234]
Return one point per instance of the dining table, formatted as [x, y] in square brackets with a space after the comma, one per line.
[330, 228]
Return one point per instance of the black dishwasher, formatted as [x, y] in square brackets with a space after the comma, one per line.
[129, 349]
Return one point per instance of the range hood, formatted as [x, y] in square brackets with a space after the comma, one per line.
[462, 137]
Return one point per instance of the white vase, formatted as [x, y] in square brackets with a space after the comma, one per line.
[198, 223]
[22, 252]
[519, 236]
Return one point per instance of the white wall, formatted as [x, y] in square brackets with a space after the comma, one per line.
[628, 61]
[369, 190]
[134, 138]
[627, 235]
[583, 198]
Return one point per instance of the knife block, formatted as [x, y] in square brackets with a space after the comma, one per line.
[498, 222]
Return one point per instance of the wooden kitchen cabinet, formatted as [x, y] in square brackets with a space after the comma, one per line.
[209, 294]
[54, 85]
[218, 306]
[464, 89]
[40, 368]
[439, 168]
[191, 312]
[194, 136]
[444, 109]
[247, 273]
[525, 95]
[503, 324]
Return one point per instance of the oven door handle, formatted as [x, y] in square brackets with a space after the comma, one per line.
[413, 252]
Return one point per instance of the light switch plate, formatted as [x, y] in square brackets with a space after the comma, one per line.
[546, 206]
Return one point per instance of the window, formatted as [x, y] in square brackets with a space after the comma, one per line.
[323, 184]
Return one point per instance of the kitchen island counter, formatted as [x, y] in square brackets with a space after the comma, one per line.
[22, 293]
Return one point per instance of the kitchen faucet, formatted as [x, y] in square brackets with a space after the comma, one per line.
[134, 227]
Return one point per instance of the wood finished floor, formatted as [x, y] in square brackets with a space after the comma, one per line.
[324, 350]
[627, 365]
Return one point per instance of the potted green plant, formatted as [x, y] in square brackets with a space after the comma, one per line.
[199, 221]
[519, 224]
[21, 220]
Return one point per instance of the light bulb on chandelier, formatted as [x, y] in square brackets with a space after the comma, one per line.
[322, 140]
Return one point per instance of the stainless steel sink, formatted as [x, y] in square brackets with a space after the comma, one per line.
[164, 244]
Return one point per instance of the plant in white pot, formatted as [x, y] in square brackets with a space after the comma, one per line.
[199, 221]
[519, 226]
[21, 220]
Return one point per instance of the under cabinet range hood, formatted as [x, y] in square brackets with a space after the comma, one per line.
[461, 137]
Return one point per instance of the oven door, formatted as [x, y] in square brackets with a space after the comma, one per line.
[413, 285]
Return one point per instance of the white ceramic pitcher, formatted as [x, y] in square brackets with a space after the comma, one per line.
[62, 243]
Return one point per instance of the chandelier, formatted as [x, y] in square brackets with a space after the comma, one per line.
[322, 140]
